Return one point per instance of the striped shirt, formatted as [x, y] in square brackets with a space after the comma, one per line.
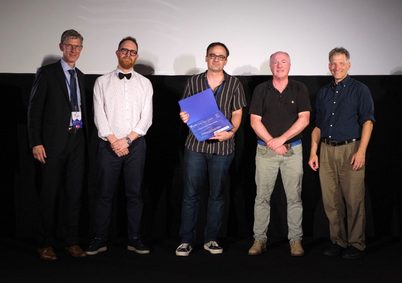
[229, 99]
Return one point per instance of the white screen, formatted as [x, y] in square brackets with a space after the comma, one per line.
[173, 34]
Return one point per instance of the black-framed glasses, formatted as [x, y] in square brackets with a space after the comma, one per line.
[213, 56]
[70, 47]
[126, 51]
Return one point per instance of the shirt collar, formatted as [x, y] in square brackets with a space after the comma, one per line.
[343, 82]
[225, 76]
[65, 66]
[117, 71]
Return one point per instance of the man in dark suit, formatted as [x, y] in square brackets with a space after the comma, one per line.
[57, 125]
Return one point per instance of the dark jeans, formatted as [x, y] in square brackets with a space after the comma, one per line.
[109, 170]
[198, 169]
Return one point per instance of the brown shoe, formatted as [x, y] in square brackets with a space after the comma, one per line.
[47, 254]
[296, 248]
[75, 251]
[257, 248]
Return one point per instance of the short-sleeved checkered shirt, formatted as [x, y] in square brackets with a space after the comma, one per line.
[229, 99]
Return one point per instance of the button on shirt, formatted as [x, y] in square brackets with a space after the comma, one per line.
[342, 109]
[122, 106]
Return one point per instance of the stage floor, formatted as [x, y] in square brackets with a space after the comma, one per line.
[382, 263]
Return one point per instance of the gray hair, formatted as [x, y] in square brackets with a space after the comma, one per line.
[276, 53]
[71, 33]
[339, 50]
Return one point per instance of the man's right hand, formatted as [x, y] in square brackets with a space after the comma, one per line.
[184, 116]
[120, 147]
[313, 162]
[39, 153]
[122, 152]
[280, 150]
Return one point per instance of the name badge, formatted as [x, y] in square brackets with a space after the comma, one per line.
[76, 119]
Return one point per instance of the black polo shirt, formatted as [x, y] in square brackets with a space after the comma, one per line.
[278, 110]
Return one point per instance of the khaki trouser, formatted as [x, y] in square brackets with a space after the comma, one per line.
[343, 195]
[268, 163]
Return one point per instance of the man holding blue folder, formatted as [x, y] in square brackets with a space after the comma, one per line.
[209, 161]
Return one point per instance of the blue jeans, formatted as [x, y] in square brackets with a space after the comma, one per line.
[199, 168]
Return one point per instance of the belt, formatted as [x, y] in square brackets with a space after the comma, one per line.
[337, 143]
[287, 145]
[73, 130]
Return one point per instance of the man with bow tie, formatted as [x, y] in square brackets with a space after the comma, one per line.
[123, 115]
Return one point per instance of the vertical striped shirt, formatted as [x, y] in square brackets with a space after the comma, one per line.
[229, 99]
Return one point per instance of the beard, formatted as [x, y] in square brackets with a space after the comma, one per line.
[126, 63]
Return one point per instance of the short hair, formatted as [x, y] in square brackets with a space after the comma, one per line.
[130, 38]
[213, 44]
[276, 53]
[339, 50]
[71, 33]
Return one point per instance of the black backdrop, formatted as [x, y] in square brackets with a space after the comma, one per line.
[162, 186]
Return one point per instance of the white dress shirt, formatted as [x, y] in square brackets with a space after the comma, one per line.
[122, 105]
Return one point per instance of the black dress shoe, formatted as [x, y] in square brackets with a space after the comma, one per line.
[352, 253]
[333, 250]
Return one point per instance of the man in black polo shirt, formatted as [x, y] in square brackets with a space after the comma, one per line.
[280, 110]
[344, 122]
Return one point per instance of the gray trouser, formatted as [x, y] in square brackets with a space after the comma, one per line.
[268, 164]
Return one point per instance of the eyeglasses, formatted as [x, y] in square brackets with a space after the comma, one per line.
[70, 47]
[125, 51]
[217, 57]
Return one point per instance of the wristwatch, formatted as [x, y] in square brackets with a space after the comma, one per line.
[129, 141]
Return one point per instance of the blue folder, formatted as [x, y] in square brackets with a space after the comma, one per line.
[205, 117]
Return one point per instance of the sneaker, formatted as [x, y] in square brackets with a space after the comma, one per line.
[296, 248]
[96, 246]
[184, 249]
[333, 250]
[352, 253]
[138, 247]
[213, 248]
[257, 248]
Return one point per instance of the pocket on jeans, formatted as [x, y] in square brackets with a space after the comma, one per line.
[265, 152]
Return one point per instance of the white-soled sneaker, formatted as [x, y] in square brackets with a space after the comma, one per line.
[96, 246]
[213, 247]
[184, 249]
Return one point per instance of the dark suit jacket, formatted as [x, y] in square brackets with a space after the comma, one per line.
[49, 110]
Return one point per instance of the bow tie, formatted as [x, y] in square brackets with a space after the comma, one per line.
[121, 76]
